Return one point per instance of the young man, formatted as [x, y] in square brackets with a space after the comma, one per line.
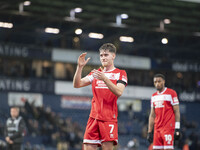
[15, 127]
[107, 85]
[164, 116]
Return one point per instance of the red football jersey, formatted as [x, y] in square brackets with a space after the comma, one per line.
[104, 102]
[163, 105]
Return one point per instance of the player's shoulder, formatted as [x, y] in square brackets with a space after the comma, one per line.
[119, 70]
[170, 91]
[9, 120]
[154, 94]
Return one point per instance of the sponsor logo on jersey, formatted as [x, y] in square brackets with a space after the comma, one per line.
[100, 84]
[112, 76]
[164, 97]
[159, 104]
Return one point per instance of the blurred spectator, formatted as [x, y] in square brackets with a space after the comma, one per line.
[56, 131]
[15, 128]
[2, 145]
[62, 146]
[194, 140]
[150, 146]
[186, 145]
[133, 144]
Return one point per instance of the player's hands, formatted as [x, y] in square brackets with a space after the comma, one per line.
[98, 74]
[150, 137]
[9, 140]
[177, 134]
[81, 60]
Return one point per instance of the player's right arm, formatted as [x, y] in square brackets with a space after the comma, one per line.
[151, 120]
[77, 80]
[151, 124]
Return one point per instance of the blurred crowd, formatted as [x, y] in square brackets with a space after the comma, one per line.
[56, 131]
[49, 128]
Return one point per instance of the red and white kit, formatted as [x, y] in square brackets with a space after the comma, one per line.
[102, 124]
[164, 124]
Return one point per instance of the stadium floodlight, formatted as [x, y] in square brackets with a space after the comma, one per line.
[78, 31]
[120, 17]
[6, 25]
[95, 35]
[191, 1]
[74, 11]
[163, 22]
[164, 40]
[167, 21]
[21, 6]
[27, 3]
[196, 34]
[126, 39]
[52, 30]
[78, 10]
[124, 16]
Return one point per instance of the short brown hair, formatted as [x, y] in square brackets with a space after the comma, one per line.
[108, 46]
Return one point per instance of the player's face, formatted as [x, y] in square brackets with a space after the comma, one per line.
[14, 112]
[106, 58]
[159, 83]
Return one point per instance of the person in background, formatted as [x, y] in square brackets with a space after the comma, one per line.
[164, 116]
[15, 129]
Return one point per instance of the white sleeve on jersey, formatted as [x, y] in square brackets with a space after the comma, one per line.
[151, 101]
[90, 77]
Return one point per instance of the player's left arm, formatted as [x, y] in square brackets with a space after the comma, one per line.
[175, 104]
[177, 122]
[176, 109]
[177, 113]
[115, 89]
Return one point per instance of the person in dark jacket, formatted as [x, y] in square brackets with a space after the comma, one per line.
[15, 128]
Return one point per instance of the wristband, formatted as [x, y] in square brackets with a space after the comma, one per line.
[177, 125]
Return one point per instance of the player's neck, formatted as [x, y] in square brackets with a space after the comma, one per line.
[160, 91]
[108, 68]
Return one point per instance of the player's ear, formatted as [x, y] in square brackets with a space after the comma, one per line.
[114, 55]
[164, 82]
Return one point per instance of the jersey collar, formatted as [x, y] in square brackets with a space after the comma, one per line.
[162, 91]
[110, 70]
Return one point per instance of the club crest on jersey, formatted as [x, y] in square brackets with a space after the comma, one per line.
[112, 76]
[111, 136]
[159, 104]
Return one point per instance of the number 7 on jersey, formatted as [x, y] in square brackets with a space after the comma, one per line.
[112, 127]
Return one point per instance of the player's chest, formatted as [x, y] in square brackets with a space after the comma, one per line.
[161, 104]
[113, 77]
